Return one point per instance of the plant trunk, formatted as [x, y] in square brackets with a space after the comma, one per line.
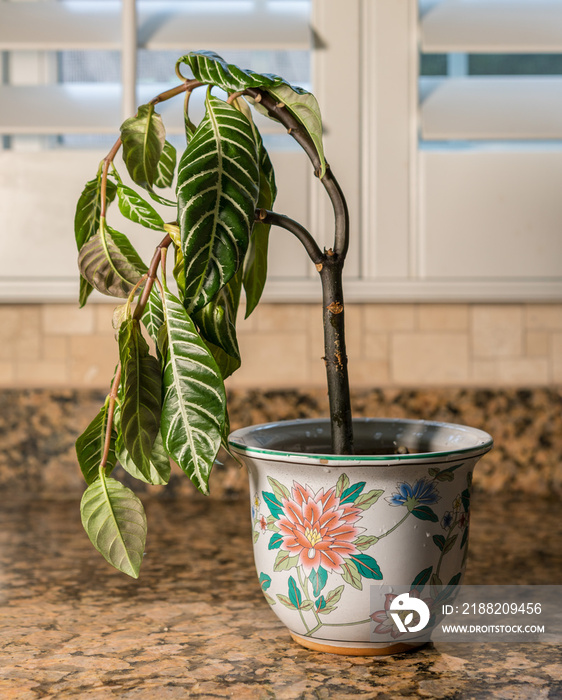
[335, 355]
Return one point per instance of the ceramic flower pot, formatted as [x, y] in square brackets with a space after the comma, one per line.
[334, 536]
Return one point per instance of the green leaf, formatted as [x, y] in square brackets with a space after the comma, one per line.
[265, 581]
[464, 537]
[304, 107]
[85, 290]
[365, 541]
[209, 67]
[367, 566]
[465, 497]
[109, 262]
[284, 561]
[143, 139]
[142, 396]
[333, 597]
[439, 541]
[193, 411]
[114, 520]
[366, 500]
[88, 209]
[137, 209]
[217, 195]
[153, 315]
[158, 463]
[90, 446]
[351, 574]
[255, 263]
[351, 493]
[294, 593]
[161, 200]
[421, 579]
[280, 491]
[273, 503]
[342, 484]
[450, 544]
[286, 602]
[166, 166]
[318, 579]
[425, 513]
[275, 542]
[216, 323]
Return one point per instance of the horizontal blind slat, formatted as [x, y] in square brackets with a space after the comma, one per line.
[491, 26]
[491, 108]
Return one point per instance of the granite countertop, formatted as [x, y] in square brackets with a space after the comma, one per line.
[195, 624]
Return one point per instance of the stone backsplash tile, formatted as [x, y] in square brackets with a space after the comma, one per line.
[38, 429]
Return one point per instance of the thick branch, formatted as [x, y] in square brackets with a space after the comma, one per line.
[154, 263]
[304, 236]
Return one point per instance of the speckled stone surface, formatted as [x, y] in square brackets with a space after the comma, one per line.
[196, 625]
[38, 429]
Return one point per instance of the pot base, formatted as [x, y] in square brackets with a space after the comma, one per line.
[338, 648]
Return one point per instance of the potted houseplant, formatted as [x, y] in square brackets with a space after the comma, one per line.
[340, 508]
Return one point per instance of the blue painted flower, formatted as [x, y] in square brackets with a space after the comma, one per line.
[447, 520]
[422, 493]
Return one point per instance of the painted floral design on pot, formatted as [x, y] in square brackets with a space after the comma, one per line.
[333, 535]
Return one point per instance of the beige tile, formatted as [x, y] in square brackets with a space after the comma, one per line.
[42, 373]
[497, 331]
[556, 358]
[376, 346]
[67, 319]
[544, 317]
[272, 360]
[484, 372]
[55, 348]
[429, 358]
[93, 360]
[529, 371]
[281, 317]
[537, 343]
[353, 330]
[369, 374]
[7, 373]
[27, 342]
[443, 317]
[389, 317]
[103, 317]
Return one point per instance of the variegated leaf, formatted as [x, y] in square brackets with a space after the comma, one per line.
[216, 323]
[142, 396]
[137, 209]
[115, 522]
[88, 209]
[158, 463]
[85, 290]
[153, 315]
[217, 196]
[143, 139]
[109, 262]
[194, 398]
[166, 166]
[90, 446]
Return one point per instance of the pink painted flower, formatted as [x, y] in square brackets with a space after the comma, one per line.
[383, 618]
[263, 523]
[318, 528]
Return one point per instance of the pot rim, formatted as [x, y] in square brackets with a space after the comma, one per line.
[245, 441]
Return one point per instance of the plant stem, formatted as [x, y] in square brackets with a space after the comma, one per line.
[394, 526]
[110, 412]
[311, 247]
[151, 275]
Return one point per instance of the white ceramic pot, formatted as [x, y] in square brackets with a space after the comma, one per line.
[334, 536]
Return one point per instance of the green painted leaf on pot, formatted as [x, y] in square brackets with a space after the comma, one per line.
[193, 411]
[90, 446]
[333, 597]
[275, 542]
[166, 166]
[286, 601]
[367, 566]
[320, 604]
[158, 463]
[280, 491]
[465, 497]
[217, 195]
[142, 396]
[365, 541]
[464, 537]
[137, 209]
[318, 579]
[425, 513]
[115, 522]
[265, 581]
[421, 579]
[351, 574]
[366, 500]
[88, 209]
[439, 541]
[273, 504]
[284, 561]
[455, 580]
[143, 138]
[294, 593]
[109, 262]
[351, 493]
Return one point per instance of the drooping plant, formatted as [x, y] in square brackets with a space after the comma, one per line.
[173, 404]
